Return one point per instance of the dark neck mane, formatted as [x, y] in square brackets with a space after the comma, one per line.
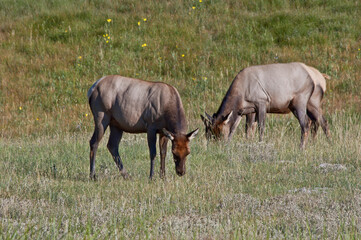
[176, 118]
[229, 103]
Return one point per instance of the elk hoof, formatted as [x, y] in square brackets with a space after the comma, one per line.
[93, 177]
[125, 175]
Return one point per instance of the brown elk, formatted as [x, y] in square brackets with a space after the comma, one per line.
[137, 106]
[273, 88]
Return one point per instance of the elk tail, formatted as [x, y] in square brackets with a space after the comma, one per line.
[326, 76]
[91, 89]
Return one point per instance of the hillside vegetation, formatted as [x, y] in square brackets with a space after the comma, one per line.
[52, 51]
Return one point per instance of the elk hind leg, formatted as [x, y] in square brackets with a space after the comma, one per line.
[301, 114]
[101, 124]
[113, 144]
[313, 121]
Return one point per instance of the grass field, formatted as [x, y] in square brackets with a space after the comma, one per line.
[51, 52]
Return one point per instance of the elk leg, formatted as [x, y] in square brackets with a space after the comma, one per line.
[101, 124]
[312, 113]
[261, 118]
[325, 128]
[163, 140]
[301, 115]
[113, 144]
[250, 122]
[234, 127]
[152, 138]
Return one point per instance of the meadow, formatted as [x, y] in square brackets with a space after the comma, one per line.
[51, 52]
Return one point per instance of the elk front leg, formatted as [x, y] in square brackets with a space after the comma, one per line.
[163, 140]
[152, 138]
[261, 119]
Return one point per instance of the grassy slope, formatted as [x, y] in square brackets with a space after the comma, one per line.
[245, 189]
[41, 43]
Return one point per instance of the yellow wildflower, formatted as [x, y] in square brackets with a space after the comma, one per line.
[359, 49]
[138, 23]
[200, 1]
[66, 31]
[194, 7]
[86, 114]
[144, 19]
[182, 55]
[108, 37]
[20, 108]
[144, 45]
[107, 41]
[109, 20]
[79, 57]
[37, 119]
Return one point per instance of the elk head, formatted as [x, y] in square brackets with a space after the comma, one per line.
[217, 127]
[180, 149]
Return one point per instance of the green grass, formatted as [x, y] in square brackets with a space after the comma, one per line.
[51, 52]
[243, 190]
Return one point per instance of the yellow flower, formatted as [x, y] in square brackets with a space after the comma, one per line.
[194, 7]
[20, 108]
[86, 114]
[103, 35]
[138, 23]
[200, 1]
[66, 31]
[359, 49]
[193, 79]
[109, 20]
[37, 119]
[144, 19]
[107, 41]
[144, 45]
[79, 57]
[108, 37]
[182, 55]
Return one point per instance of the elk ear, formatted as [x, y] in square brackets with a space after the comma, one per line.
[209, 116]
[205, 120]
[168, 134]
[227, 117]
[192, 134]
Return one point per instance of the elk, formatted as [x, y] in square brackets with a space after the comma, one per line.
[137, 106]
[275, 88]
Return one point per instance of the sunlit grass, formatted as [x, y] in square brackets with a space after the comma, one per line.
[244, 188]
[51, 52]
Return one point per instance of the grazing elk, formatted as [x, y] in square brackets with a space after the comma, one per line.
[136, 106]
[274, 88]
